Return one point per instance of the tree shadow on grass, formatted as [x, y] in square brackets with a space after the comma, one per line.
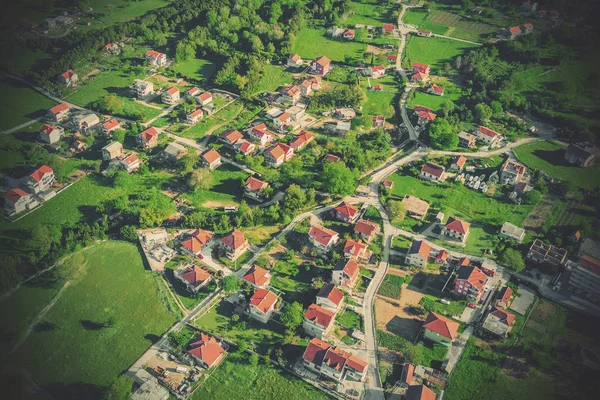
[94, 325]
[554, 157]
[152, 338]
[77, 390]
[44, 326]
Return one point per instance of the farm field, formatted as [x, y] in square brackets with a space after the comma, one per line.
[237, 379]
[433, 51]
[98, 326]
[312, 42]
[369, 12]
[414, 16]
[549, 157]
[197, 68]
[458, 27]
[224, 191]
[20, 103]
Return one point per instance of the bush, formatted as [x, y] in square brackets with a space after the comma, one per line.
[391, 286]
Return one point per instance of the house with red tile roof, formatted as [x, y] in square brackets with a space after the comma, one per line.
[320, 65]
[322, 238]
[283, 120]
[332, 158]
[458, 163]
[419, 77]
[318, 321]
[195, 116]
[129, 162]
[51, 133]
[346, 212]
[435, 90]
[156, 58]
[279, 154]
[206, 350]
[457, 229]
[349, 34]
[388, 184]
[211, 159]
[302, 140]
[345, 273]
[291, 93]
[366, 229]
[108, 127]
[378, 121]
[419, 392]
[388, 29]
[466, 139]
[512, 172]
[504, 297]
[421, 68]
[463, 262]
[16, 201]
[408, 372]
[195, 241]
[294, 61]
[442, 257]
[527, 28]
[305, 87]
[230, 137]
[375, 71]
[425, 117]
[192, 92]
[68, 78]
[432, 172]
[171, 95]
[423, 33]
[59, 112]
[513, 32]
[470, 283]
[499, 322]
[358, 250]
[205, 98]
[39, 180]
[417, 109]
[257, 276]
[330, 297]
[334, 363]
[392, 58]
[260, 134]
[440, 329]
[192, 277]
[418, 254]
[234, 244]
[315, 81]
[244, 147]
[487, 135]
[254, 188]
[262, 305]
[148, 138]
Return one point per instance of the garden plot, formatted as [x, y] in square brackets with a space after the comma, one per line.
[394, 316]
[461, 28]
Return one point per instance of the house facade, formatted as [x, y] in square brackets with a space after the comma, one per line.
[16, 201]
[234, 244]
[254, 188]
[279, 154]
[257, 276]
[318, 321]
[330, 297]
[211, 159]
[512, 172]
[262, 305]
[51, 133]
[440, 329]
[346, 212]
[418, 254]
[321, 65]
[108, 127]
[39, 180]
[333, 363]
[357, 250]
[171, 95]
[59, 112]
[470, 283]
[432, 172]
[142, 88]
[456, 229]
[112, 150]
[195, 241]
[294, 61]
[345, 273]
[323, 239]
[366, 230]
[156, 58]
[466, 139]
[487, 135]
[192, 277]
[415, 207]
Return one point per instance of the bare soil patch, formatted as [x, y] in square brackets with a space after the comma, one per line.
[537, 216]
[375, 50]
[394, 316]
[218, 203]
[536, 326]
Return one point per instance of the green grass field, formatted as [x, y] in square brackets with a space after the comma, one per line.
[312, 42]
[23, 61]
[98, 327]
[461, 28]
[236, 379]
[433, 51]
[486, 214]
[414, 16]
[369, 12]
[225, 189]
[215, 121]
[197, 68]
[549, 157]
[20, 103]
[379, 103]
[452, 93]
[272, 78]
[437, 29]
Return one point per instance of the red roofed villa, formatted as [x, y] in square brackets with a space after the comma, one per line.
[257, 276]
[440, 329]
[456, 229]
[262, 305]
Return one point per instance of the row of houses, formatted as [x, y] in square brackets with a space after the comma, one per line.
[30, 191]
[234, 244]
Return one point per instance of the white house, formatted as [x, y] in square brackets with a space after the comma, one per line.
[262, 305]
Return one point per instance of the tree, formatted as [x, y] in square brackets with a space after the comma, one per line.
[397, 210]
[338, 179]
[360, 35]
[292, 315]
[441, 135]
[512, 259]
[120, 389]
[483, 112]
[231, 284]
[119, 136]
[253, 359]
[533, 197]
[189, 161]
[295, 198]
[129, 233]
[200, 179]
[496, 108]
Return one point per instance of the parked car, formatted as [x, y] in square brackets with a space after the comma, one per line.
[471, 305]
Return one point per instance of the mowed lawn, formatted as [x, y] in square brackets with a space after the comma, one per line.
[369, 12]
[549, 157]
[215, 121]
[20, 103]
[236, 379]
[452, 93]
[433, 51]
[118, 11]
[312, 42]
[486, 214]
[224, 191]
[414, 16]
[379, 103]
[197, 68]
[75, 356]
[273, 76]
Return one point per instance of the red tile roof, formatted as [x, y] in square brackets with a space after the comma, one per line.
[392, 58]
[459, 160]
[205, 96]
[197, 113]
[247, 147]
[420, 67]
[505, 294]
[39, 173]
[437, 89]
[528, 26]
[515, 29]
[195, 275]
[130, 159]
[315, 351]
[487, 132]
[322, 235]
[68, 74]
[347, 209]
[264, 300]
[332, 158]
[473, 275]
[420, 76]
[457, 225]
[463, 262]
[211, 156]
[193, 91]
[330, 292]
[442, 255]
[365, 227]
[336, 358]
[422, 108]
[284, 117]
[59, 108]
[388, 184]
[503, 315]
[388, 27]
[234, 240]
[291, 91]
[303, 139]
[111, 124]
[354, 247]
[419, 392]
[321, 316]
[294, 57]
[377, 68]
[323, 61]
[48, 129]
[421, 248]
[154, 54]
[232, 136]
[257, 275]
[254, 185]
[591, 264]
[433, 169]
[429, 116]
[196, 240]
[149, 134]
[15, 194]
[172, 90]
[206, 348]
[441, 325]
[350, 268]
